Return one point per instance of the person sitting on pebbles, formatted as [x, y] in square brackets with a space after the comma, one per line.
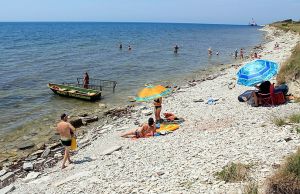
[146, 130]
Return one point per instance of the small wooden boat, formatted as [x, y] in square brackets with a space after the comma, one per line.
[75, 92]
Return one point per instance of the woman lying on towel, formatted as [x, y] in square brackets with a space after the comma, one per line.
[146, 130]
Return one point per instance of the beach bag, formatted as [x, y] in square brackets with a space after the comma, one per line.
[73, 143]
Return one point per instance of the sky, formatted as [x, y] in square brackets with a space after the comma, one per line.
[178, 11]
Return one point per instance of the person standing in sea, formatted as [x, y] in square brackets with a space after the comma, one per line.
[66, 131]
[209, 51]
[86, 80]
[242, 54]
[236, 54]
[176, 47]
[120, 46]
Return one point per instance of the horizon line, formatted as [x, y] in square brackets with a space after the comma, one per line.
[196, 23]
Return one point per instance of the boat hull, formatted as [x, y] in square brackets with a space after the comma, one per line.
[80, 93]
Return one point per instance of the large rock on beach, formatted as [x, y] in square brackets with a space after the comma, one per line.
[7, 189]
[54, 138]
[7, 179]
[38, 152]
[54, 145]
[31, 158]
[38, 165]
[2, 172]
[28, 166]
[26, 145]
[50, 163]
[89, 119]
[46, 152]
[101, 105]
[31, 176]
[76, 122]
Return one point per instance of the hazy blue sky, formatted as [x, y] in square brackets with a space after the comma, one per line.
[192, 11]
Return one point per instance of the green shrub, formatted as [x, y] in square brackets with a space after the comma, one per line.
[287, 179]
[293, 165]
[279, 121]
[295, 118]
[233, 172]
[290, 70]
[251, 188]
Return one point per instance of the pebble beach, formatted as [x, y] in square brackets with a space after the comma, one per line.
[186, 160]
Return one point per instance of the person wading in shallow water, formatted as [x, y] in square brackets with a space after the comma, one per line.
[176, 47]
[66, 131]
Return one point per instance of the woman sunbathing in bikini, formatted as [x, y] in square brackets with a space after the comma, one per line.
[147, 129]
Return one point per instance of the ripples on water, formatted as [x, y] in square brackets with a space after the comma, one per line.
[33, 54]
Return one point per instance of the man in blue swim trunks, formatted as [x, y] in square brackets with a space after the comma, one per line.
[66, 130]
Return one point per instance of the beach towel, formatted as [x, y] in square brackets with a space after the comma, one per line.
[164, 129]
[168, 127]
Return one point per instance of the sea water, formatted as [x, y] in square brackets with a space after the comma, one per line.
[34, 54]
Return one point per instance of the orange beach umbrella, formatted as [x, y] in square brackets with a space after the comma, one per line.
[151, 92]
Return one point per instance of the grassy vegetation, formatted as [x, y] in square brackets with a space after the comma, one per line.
[295, 118]
[233, 172]
[287, 179]
[279, 121]
[251, 188]
[288, 25]
[290, 70]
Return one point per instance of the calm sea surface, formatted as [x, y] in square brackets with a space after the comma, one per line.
[33, 54]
